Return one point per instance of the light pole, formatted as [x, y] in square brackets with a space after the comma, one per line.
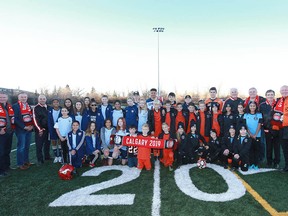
[158, 30]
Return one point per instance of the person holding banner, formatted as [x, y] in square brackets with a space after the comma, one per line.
[143, 152]
[168, 154]
[132, 150]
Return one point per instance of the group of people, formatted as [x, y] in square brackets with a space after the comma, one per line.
[232, 131]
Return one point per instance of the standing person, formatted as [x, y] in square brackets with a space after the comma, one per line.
[131, 113]
[91, 115]
[253, 96]
[136, 97]
[187, 101]
[86, 104]
[40, 118]
[54, 113]
[254, 121]
[23, 130]
[217, 120]
[153, 97]
[142, 114]
[228, 119]
[168, 116]
[180, 116]
[104, 111]
[168, 154]
[271, 135]
[106, 146]
[78, 113]
[117, 113]
[192, 109]
[143, 155]
[233, 100]
[203, 121]
[155, 123]
[239, 118]
[213, 99]
[6, 133]
[75, 143]
[280, 119]
[172, 99]
[63, 127]
[68, 104]
[181, 147]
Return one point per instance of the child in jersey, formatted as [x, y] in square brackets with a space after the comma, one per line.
[241, 150]
[93, 146]
[75, 143]
[227, 146]
[144, 153]
[131, 113]
[181, 140]
[155, 123]
[63, 127]
[214, 147]
[132, 150]
[168, 154]
[203, 121]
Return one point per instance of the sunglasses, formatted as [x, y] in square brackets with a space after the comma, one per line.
[93, 105]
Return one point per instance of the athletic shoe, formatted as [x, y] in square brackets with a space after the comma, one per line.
[276, 166]
[60, 160]
[91, 165]
[170, 168]
[55, 160]
[23, 167]
[251, 167]
[256, 167]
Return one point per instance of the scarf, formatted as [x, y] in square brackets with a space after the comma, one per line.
[26, 113]
[277, 113]
[3, 120]
[285, 113]
[257, 100]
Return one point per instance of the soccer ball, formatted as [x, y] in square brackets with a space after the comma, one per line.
[66, 171]
[201, 163]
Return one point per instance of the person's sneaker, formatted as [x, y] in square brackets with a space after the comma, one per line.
[23, 167]
[3, 174]
[225, 166]
[170, 168]
[276, 166]
[60, 160]
[91, 165]
[55, 160]
[251, 167]
[28, 164]
[234, 168]
[256, 167]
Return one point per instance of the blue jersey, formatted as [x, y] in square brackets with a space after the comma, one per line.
[252, 121]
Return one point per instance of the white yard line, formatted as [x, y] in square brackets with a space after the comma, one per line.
[16, 148]
[156, 202]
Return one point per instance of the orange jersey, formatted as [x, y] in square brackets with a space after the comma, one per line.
[158, 123]
[143, 153]
[180, 118]
[192, 116]
[215, 123]
[209, 101]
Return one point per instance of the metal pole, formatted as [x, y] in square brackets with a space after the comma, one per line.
[158, 30]
[158, 68]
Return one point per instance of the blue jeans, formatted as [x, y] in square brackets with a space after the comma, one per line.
[23, 144]
[132, 161]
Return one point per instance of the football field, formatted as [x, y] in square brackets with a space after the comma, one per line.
[119, 190]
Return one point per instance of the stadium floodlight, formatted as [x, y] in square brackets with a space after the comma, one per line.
[158, 29]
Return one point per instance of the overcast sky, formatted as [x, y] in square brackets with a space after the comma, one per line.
[111, 45]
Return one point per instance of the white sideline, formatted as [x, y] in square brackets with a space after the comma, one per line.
[16, 148]
[156, 202]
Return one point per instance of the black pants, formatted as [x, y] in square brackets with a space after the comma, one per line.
[5, 149]
[272, 145]
[284, 144]
[65, 151]
[255, 151]
[42, 146]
